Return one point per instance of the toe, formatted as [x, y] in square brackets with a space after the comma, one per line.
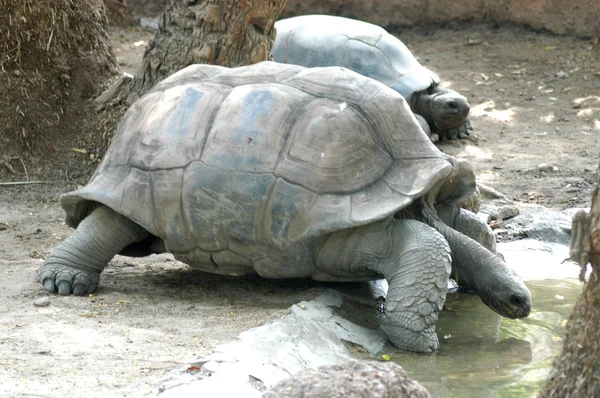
[64, 288]
[79, 290]
[49, 285]
[92, 288]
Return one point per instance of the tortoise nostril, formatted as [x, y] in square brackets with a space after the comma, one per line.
[452, 105]
[517, 300]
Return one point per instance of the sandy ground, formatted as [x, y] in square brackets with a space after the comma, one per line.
[535, 102]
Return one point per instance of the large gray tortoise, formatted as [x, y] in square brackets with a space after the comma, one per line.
[325, 40]
[287, 172]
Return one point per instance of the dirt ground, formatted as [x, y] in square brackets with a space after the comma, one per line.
[536, 114]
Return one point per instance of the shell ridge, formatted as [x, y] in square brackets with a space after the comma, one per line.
[212, 132]
[211, 121]
[264, 232]
[293, 118]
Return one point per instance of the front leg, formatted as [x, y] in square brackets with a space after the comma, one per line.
[462, 131]
[75, 265]
[415, 260]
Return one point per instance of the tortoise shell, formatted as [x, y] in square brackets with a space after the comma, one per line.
[325, 40]
[244, 170]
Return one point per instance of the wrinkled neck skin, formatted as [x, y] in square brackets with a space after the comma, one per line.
[421, 103]
[468, 224]
[479, 270]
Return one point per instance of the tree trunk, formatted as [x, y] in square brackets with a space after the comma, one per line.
[118, 13]
[221, 32]
[576, 372]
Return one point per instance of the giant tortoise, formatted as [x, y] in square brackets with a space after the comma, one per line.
[325, 40]
[287, 172]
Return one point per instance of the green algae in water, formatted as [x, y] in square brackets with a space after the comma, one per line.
[485, 355]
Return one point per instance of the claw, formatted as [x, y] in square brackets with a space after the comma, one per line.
[64, 288]
[79, 289]
[49, 285]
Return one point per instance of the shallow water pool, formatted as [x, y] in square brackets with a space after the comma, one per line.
[484, 355]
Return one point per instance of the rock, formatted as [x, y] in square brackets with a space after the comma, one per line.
[353, 379]
[312, 334]
[562, 74]
[149, 23]
[532, 221]
[488, 192]
[544, 168]
[547, 167]
[504, 213]
[42, 302]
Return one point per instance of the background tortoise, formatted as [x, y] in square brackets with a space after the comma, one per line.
[324, 40]
[288, 172]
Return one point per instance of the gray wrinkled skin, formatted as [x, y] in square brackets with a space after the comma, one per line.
[325, 40]
[358, 379]
[286, 172]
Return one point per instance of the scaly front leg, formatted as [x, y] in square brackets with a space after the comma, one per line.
[415, 260]
[75, 265]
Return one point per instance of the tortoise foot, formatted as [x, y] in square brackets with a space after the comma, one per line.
[410, 340]
[460, 132]
[65, 280]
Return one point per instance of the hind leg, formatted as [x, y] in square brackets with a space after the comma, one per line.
[75, 265]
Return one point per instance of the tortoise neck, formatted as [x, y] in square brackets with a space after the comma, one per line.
[422, 104]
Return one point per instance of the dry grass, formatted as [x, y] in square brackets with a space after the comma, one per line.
[54, 58]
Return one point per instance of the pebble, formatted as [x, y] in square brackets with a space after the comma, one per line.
[562, 74]
[149, 23]
[547, 167]
[42, 302]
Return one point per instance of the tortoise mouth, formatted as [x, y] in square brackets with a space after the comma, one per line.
[513, 307]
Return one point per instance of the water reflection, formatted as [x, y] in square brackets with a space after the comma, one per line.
[485, 355]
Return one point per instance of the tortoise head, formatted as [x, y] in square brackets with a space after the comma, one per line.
[480, 271]
[449, 109]
[505, 293]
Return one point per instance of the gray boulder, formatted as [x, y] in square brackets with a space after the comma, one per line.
[357, 379]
